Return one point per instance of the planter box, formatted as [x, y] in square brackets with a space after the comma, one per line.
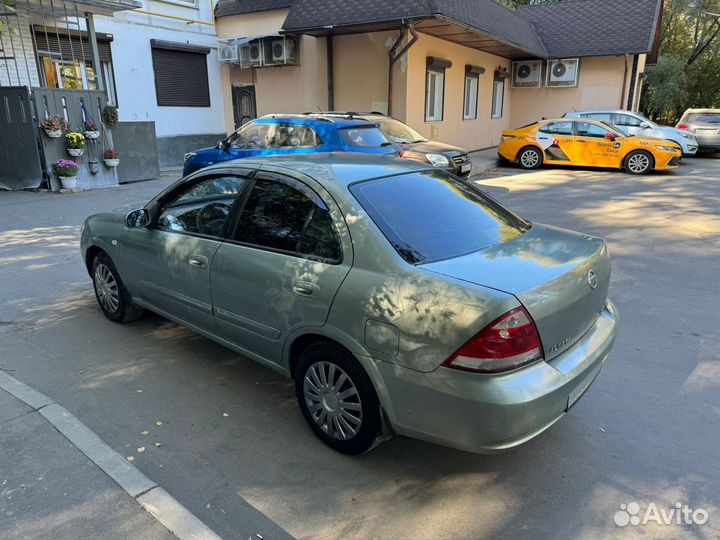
[53, 134]
[92, 134]
[111, 162]
[68, 182]
[76, 151]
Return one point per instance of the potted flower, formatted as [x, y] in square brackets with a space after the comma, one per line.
[66, 170]
[75, 144]
[110, 116]
[91, 130]
[54, 126]
[111, 157]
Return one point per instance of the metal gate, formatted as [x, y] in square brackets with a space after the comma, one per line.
[20, 162]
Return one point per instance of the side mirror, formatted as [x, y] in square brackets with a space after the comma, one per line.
[138, 219]
[609, 137]
[644, 125]
[222, 145]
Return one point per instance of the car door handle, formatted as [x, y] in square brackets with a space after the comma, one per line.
[303, 288]
[581, 141]
[198, 261]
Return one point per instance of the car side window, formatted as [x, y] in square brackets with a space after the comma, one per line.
[558, 128]
[251, 136]
[202, 207]
[605, 117]
[293, 136]
[626, 120]
[588, 129]
[280, 217]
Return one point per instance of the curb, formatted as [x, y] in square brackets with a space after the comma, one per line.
[154, 500]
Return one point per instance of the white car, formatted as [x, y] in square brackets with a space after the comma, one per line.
[634, 123]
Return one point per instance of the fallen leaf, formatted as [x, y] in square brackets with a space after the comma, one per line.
[225, 414]
[601, 429]
[141, 449]
[130, 458]
[139, 391]
[145, 433]
[157, 445]
[158, 423]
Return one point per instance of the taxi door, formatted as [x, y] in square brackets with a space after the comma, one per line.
[557, 141]
[595, 145]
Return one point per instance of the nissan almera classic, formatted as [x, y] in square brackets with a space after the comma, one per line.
[400, 299]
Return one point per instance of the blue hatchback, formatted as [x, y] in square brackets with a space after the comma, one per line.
[294, 134]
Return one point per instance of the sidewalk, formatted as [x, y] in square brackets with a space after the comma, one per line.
[483, 160]
[51, 488]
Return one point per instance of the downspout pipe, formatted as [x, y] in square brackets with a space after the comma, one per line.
[395, 55]
[623, 97]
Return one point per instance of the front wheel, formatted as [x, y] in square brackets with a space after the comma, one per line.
[638, 162]
[530, 158]
[337, 398]
[110, 292]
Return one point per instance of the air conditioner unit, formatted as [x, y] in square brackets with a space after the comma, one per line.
[228, 53]
[251, 54]
[563, 72]
[527, 73]
[282, 50]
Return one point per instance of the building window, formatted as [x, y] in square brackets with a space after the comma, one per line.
[181, 74]
[471, 97]
[435, 88]
[498, 98]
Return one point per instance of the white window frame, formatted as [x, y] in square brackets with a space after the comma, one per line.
[498, 100]
[470, 107]
[437, 78]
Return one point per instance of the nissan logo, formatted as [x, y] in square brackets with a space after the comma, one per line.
[592, 279]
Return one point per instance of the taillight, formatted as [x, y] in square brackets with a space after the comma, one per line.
[686, 127]
[506, 343]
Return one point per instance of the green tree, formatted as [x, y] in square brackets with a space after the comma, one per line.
[688, 70]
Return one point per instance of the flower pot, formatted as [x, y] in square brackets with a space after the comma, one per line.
[92, 134]
[93, 167]
[111, 162]
[68, 181]
[53, 133]
[75, 151]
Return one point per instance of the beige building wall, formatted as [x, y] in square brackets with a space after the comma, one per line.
[482, 132]
[279, 89]
[600, 84]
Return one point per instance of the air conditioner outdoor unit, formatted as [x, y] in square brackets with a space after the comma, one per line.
[527, 73]
[251, 54]
[228, 53]
[282, 50]
[563, 72]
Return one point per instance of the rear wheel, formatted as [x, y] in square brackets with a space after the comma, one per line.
[337, 398]
[530, 158]
[110, 292]
[638, 162]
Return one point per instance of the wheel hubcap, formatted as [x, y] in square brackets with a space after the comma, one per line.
[106, 288]
[638, 163]
[332, 400]
[529, 159]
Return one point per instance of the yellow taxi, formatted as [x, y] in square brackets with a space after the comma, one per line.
[586, 142]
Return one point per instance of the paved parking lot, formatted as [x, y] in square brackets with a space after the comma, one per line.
[235, 450]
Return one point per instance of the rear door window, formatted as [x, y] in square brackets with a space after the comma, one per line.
[280, 217]
[432, 216]
[558, 128]
[364, 137]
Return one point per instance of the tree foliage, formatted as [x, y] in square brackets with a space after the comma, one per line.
[688, 72]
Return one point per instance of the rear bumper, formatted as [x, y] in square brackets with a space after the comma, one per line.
[492, 413]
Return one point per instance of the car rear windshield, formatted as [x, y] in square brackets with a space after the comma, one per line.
[432, 216]
[703, 118]
[364, 137]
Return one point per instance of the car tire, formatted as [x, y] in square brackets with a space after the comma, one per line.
[344, 414]
[530, 158]
[638, 162]
[112, 296]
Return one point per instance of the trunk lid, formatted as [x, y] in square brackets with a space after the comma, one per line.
[548, 270]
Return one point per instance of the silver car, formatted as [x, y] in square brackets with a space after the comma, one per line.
[634, 123]
[705, 125]
[400, 299]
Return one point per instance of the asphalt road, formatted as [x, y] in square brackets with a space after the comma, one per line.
[236, 451]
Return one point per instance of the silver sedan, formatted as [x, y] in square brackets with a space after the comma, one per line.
[400, 299]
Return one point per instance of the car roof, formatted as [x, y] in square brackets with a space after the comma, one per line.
[702, 111]
[611, 111]
[313, 120]
[331, 169]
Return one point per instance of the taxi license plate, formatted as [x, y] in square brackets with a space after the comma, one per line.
[466, 168]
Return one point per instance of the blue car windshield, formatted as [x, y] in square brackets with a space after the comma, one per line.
[363, 137]
[432, 216]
